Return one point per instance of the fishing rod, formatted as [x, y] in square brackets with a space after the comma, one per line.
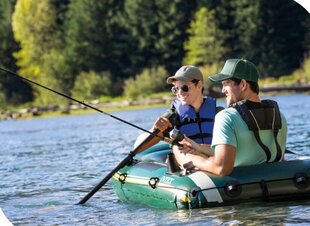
[170, 115]
[167, 115]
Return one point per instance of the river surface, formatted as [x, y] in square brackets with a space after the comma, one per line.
[48, 165]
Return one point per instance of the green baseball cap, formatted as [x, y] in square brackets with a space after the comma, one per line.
[186, 73]
[237, 68]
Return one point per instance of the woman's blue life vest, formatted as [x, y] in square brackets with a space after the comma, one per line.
[198, 126]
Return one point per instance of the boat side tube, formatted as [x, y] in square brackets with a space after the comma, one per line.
[147, 181]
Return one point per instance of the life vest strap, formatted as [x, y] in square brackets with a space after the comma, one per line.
[264, 147]
[196, 120]
[259, 119]
[200, 135]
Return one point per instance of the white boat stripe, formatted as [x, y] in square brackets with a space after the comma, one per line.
[204, 182]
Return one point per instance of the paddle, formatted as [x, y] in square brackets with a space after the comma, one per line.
[123, 163]
[169, 115]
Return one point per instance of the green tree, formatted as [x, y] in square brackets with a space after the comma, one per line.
[59, 69]
[281, 40]
[40, 57]
[95, 38]
[159, 30]
[237, 20]
[32, 25]
[272, 34]
[13, 91]
[7, 43]
[32, 22]
[205, 41]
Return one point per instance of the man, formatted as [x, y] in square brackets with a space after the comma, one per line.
[194, 113]
[249, 132]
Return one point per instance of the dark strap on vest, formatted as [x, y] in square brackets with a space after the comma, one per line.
[196, 120]
[200, 135]
[265, 118]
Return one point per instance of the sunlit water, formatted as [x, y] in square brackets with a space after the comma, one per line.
[49, 165]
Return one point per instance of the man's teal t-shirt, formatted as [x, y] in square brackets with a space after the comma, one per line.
[230, 128]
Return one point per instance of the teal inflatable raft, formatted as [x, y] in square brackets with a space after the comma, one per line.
[148, 180]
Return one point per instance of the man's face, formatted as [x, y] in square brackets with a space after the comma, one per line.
[232, 92]
[186, 92]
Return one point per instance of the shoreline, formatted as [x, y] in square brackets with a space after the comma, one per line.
[51, 111]
[78, 109]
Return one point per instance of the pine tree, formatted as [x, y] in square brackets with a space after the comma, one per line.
[205, 42]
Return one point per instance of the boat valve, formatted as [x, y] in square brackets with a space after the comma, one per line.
[193, 192]
[301, 181]
[233, 189]
[122, 178]
[153, 182]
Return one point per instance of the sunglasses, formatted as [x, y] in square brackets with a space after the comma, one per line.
[175, 89]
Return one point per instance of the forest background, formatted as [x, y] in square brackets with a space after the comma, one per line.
[112, 49]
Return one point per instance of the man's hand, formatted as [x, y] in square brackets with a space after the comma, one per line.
[190, 146]
[162, 124]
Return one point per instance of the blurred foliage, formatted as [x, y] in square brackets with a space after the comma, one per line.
[33, 22]
[91, 86]
[13, 91]
[2, 98]
[208, 70]
[300, 76]
[159, 30]
[96, 38]
[148, 82]
[34, 26]
[281, 37]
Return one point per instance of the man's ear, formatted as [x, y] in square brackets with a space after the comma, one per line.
[243, 84]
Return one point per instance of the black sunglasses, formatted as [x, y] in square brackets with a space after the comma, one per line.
[175, 89]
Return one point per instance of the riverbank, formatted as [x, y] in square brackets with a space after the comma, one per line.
[75, 109]
[148, 102]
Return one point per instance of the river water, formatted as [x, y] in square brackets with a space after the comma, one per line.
[48, 165]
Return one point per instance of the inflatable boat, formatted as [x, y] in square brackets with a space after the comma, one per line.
[151, 180]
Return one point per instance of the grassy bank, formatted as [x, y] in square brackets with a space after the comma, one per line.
[105, 105]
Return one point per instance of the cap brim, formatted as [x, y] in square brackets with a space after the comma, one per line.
[176, 78]
[219, 77]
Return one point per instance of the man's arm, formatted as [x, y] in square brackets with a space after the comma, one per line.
[221, 164]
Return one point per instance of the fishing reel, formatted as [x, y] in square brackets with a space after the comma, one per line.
[172, 165]
[176, 136]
